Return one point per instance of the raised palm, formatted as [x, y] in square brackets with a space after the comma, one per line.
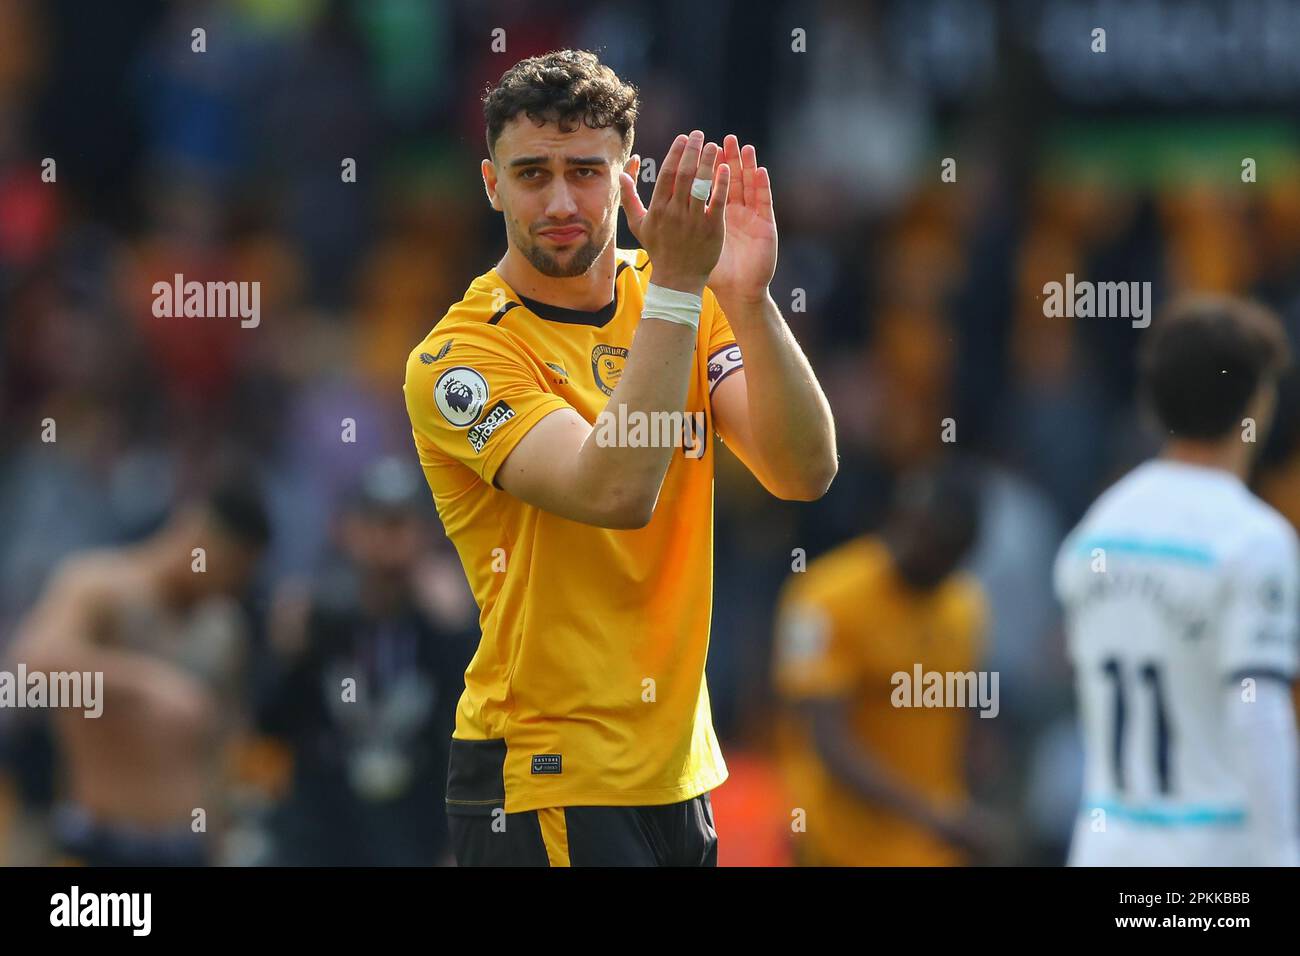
[748, 260]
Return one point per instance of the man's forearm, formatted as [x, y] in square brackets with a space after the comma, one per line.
[655, 380]
[790, 418]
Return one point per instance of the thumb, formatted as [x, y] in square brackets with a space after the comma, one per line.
[632, 206]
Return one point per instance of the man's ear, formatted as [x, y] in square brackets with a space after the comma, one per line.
[489, 173]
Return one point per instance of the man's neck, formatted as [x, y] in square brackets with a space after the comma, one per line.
[1231, 455]
[592, 290]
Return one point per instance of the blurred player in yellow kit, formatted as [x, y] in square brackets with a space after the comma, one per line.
[882, 785]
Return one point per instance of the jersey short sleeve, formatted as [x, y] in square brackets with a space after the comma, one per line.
[1262, 614]
[472, 396]
[723, 354]
[814, 656]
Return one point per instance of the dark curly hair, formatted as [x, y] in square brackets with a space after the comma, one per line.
[1203, 359]
[566, 87]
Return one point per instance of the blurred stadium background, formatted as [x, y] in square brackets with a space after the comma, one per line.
[922, 302]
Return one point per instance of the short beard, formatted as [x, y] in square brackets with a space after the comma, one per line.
[548, 265]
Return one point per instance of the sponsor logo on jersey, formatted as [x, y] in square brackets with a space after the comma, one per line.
[497, 415]
[428, 359]
[607, 366]
[548, 763]
[460, 395]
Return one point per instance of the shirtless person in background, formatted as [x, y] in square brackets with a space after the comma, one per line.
[162, 624]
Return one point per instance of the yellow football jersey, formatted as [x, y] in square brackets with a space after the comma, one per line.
[590, 667]
[846, 626]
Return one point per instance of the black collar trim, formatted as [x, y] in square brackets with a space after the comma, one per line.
[555, 313]
[501, 313]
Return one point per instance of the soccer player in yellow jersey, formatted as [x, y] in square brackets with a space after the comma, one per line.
[564, 412]
[882, 784]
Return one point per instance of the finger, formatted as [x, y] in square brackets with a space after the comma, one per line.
[708, 160]
[749, 174]
[686, 170]
[721, 188]
[764, 203]
[632, 207]
[663, 190]
[731, 156]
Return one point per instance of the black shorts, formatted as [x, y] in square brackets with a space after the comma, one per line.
[483, 834]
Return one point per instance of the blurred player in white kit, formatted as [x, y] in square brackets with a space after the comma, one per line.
[1181, 595]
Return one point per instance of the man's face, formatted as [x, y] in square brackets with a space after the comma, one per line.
[926, 546]
[558, 191]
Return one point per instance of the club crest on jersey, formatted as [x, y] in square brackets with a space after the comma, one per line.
[460, 395]
[607, 366]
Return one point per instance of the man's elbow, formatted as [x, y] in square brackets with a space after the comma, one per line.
[626, 511]
[811, 484]
[630, 519]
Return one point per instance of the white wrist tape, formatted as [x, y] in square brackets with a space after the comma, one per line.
[672, 305]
